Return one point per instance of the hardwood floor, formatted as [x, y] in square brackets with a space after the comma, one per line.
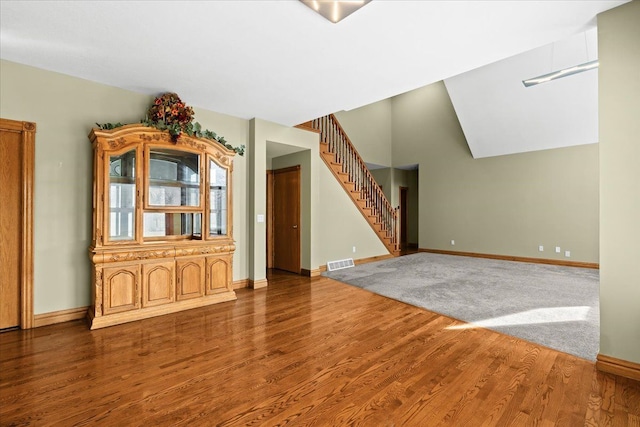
[300, 352]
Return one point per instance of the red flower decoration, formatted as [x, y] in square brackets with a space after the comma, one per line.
[170, 108]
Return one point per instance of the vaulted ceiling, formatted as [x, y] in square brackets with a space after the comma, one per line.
[279, 60]
[499, 115]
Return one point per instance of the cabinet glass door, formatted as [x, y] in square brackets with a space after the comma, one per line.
[122, 196]
[217, 200]
[174, 178]
[164, 224]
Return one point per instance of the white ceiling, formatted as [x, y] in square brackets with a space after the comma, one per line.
[499, 115]
[279, 60]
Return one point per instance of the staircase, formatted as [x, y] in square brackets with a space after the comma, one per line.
[347, 166]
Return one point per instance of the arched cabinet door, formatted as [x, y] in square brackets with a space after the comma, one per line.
[121, 289]
[219, 274]
[191, 276]
[158, 285]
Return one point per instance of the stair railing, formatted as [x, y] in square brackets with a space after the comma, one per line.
[345, 153]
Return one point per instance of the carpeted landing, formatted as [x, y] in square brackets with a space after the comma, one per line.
[551, 305]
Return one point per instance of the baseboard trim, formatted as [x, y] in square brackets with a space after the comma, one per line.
[372, 259]
[61, 316]
[311, 273]
[240, 284]
[258, 284]
[323, 268]
[561, 262]
[620, 367]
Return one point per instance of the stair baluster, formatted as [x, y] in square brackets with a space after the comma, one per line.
[353, 173]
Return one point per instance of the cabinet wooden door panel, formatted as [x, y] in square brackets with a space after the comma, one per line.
[158, 283]
[121, 289]
[191, 277]
[218, 274]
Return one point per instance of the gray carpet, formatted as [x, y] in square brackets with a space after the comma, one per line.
[546, 304]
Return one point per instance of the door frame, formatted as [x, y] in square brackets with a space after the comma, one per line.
[28, 134]
[270, 247]
[403, 200]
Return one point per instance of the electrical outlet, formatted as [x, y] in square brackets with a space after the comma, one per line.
[541, 248]
[557, 249]
[453, 242]
[567, 254]
[354, 249]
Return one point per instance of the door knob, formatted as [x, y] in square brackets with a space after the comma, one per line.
[295, 226]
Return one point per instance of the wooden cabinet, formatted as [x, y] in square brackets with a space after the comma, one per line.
[162, 224]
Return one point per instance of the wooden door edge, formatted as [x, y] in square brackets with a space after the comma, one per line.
[27, 131]
[28, 165]
[270, 248]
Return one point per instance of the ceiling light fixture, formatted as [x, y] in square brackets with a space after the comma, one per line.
[561, 73]
[335, 10]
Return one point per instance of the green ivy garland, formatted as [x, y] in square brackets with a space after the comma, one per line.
[169, 113]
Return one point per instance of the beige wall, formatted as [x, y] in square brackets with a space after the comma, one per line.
[369, 129]
[619, 117]
[331, 223]
[505, 205]
[414, 207]
[65, 109]
[391, 179]
[263, 133]
[409, 179]
[340, 223]
[384, 178]
[256, 202]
